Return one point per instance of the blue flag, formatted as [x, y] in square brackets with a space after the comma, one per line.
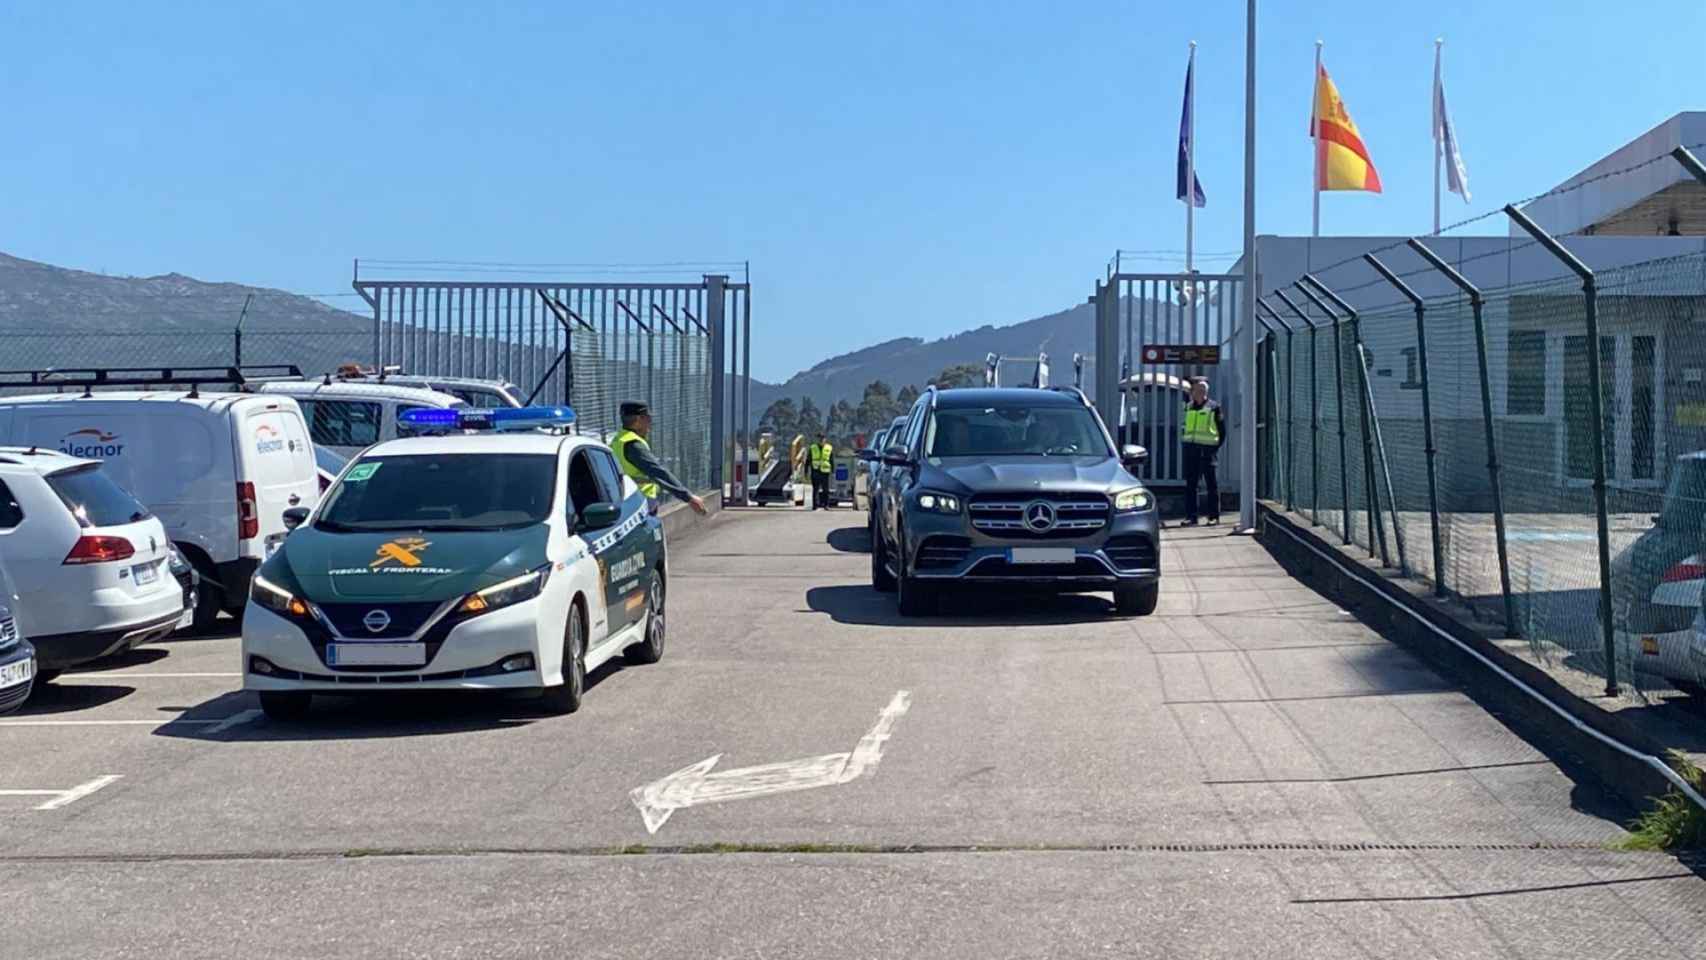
[1185, 134]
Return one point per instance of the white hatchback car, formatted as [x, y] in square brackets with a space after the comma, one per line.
[91, 565]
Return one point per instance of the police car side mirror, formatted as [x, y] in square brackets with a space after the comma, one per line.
[866, 455]
[1131, 455]
[600, 515]
[896, 456]
[295, 517]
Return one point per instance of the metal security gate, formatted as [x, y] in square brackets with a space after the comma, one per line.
[1166, 329]
[680, 347]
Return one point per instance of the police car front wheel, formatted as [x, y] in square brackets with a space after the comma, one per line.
[566, 696]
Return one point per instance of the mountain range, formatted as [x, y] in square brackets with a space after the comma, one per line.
[51, 316]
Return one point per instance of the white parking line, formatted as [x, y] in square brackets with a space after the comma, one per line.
[236, 719]
[139, 676]
[105, 723]
[64, 797]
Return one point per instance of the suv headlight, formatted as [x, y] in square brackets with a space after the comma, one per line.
[507, 593]
[276, 598]
[939, 502]
[1137, 498]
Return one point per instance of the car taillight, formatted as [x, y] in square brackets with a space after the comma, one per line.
[248, 516]
[100, 550]
[1684, 571]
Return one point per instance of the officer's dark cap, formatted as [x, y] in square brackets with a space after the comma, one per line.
[634, 408]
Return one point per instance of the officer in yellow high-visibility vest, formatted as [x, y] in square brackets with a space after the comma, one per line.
[636, 459]
[822, 462]
[1204, 432]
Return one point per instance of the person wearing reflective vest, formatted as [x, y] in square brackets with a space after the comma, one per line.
[822, 462]
[636, 459]
[1204, 432]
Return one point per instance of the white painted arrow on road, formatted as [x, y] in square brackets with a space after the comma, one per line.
[696, 785]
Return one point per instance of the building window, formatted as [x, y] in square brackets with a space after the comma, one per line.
[1525, 374]
[1412, 370]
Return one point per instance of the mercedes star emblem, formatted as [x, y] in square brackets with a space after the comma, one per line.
[1039, 516]
[376, 621]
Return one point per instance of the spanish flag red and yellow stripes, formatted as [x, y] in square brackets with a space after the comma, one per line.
[1341, 159]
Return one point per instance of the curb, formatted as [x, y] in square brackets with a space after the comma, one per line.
[1621, 756]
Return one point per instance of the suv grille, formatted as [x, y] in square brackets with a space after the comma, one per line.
[8, 632]
[1131, 553]
[406, 618]
[1005, 514]
[940, 552]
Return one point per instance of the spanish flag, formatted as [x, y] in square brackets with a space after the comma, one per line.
[1341, 160]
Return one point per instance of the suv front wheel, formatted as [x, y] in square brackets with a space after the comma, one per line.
[1136, 601]
[881, 580]
[913, 597]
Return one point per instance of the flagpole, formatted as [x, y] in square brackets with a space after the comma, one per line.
[1190, 157]
[1439, 148]
[1314, 105]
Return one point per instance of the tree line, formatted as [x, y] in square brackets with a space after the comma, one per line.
[848, 425]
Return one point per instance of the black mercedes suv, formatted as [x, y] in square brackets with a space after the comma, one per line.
[1002, 488]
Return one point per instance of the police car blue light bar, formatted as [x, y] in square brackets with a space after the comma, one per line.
[507, 418]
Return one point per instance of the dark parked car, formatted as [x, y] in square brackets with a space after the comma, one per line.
[17, 657]
[1020, 487]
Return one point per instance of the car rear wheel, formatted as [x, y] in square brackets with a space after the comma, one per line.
[881, 580]
[285, 705]
[650, 650]
[1136, 601]
[565, 697]
[208, 601]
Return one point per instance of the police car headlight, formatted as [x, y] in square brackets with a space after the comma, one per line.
[939, 502]
[276, 598]
[509, 592]
[1136, 498]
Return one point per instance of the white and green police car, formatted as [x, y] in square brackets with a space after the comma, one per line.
[493, 552]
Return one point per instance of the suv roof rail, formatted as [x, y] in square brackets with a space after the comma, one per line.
[90, 377]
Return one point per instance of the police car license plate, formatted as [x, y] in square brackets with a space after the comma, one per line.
[13, 674]
[1041, 555]
[376, 654]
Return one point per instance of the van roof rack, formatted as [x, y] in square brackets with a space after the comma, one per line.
[90, 377]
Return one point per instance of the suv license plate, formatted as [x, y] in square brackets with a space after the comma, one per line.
[1041, 555]
[376, 654]
[145, 574]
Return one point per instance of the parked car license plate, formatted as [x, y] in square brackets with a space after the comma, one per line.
[145, 573]
[376, 654]
[13, 674]
[1041, 555]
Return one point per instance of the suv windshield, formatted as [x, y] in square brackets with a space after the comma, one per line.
[1685, 498]
[446, 491]
[94, 499]
[1017, 429]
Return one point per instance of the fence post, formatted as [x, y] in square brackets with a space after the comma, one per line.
[1339, 389]
[1290, 395]
[1314, 413]
[1427, 415]
[1268, 398]
[1591, 294]
[1475, 305]
[1371, 492]
[718, 330]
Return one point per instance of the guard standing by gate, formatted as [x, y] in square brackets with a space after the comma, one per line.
[1205, 432]
[823, 461]
[635, 458]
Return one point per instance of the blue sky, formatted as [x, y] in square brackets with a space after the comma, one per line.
[890, 169]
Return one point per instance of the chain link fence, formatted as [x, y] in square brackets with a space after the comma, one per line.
[1459, 449]
[590, 347]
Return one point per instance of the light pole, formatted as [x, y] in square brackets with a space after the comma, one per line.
[1247, 303]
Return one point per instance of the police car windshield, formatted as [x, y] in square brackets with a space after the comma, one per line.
[492, 491]
[1043, 431]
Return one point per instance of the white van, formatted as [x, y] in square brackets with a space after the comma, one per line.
[218, 469]
[350, 417]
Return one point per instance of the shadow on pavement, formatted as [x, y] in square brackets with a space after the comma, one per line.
[370, 715]
[851, 540]
[49, 699]
[960, 608]
[120, 661]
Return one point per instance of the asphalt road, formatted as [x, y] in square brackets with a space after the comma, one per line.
[1250, 772]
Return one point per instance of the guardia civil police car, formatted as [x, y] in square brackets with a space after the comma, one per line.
[494, 551]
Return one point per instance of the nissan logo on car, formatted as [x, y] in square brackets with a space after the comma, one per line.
[1039, 516]
[376, 621]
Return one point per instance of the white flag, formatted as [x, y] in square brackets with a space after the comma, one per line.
[1445, 138]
